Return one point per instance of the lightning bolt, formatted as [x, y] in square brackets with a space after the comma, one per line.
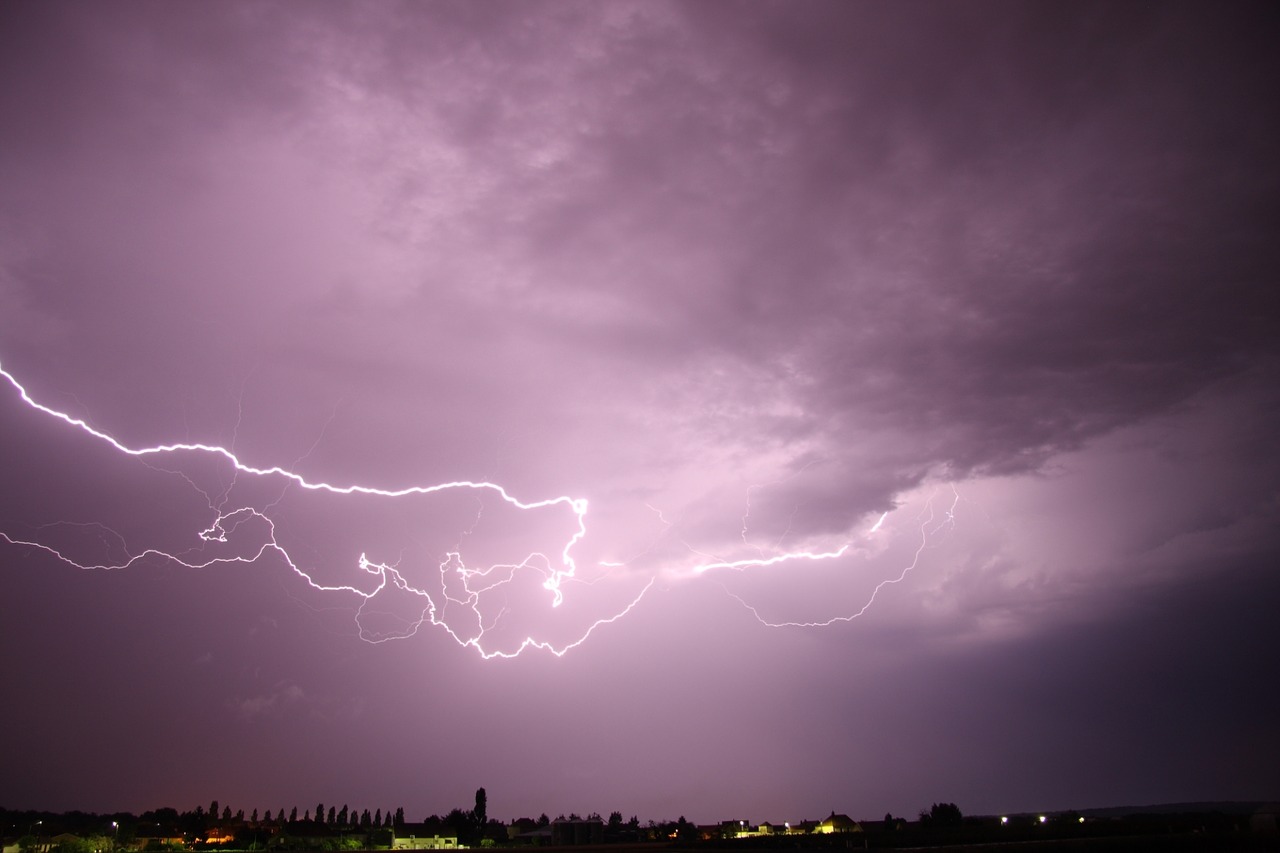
[474, 582]
[928, 529]
[759, 562]
[461, 587]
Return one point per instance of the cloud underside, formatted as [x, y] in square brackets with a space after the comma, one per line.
[658, 254]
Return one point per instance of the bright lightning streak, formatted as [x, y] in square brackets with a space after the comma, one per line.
[927, 530]
[473, 582]
[386, 573]
[771, 561]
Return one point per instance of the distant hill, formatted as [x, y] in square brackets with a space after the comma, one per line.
[1234, 807]
[1224, 807]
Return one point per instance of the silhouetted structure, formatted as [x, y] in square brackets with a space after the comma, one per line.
[571, 832]
[420, 836]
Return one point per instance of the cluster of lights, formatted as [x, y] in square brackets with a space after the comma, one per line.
[1004, 820]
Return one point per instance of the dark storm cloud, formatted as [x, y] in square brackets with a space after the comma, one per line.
[1052, 249]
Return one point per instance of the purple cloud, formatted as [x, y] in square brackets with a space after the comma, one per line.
[751, 282]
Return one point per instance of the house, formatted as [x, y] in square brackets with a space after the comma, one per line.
[417, 836]
[425, 842]
[157, 837]
[219, 835]
[838, 823]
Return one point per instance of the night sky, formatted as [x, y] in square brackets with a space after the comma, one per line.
[849, 406]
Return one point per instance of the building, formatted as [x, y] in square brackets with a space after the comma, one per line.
[838, 823]
[573, 832]
[417, 836]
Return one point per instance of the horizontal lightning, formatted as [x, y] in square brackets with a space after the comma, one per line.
[388, 575]
[471, 583]
[928, 529]
[756, 562]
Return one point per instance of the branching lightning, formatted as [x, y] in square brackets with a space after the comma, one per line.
[388, 575]
[460, 587]
[928, 529]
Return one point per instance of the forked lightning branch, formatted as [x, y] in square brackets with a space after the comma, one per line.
[474, 627]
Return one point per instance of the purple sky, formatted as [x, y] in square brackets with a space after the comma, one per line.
[987, 289]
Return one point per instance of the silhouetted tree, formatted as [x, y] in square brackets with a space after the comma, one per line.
[481, 810]
[266, 816]
[333, 812]
[213, 810]
[400, 816]
[319, 812]
[942, 815]
[543, 820]
[253, 818]
[459, 822]
[226, 812]
[293, 815]
[166, 817]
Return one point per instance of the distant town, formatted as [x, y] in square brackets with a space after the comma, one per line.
[1232, 826]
